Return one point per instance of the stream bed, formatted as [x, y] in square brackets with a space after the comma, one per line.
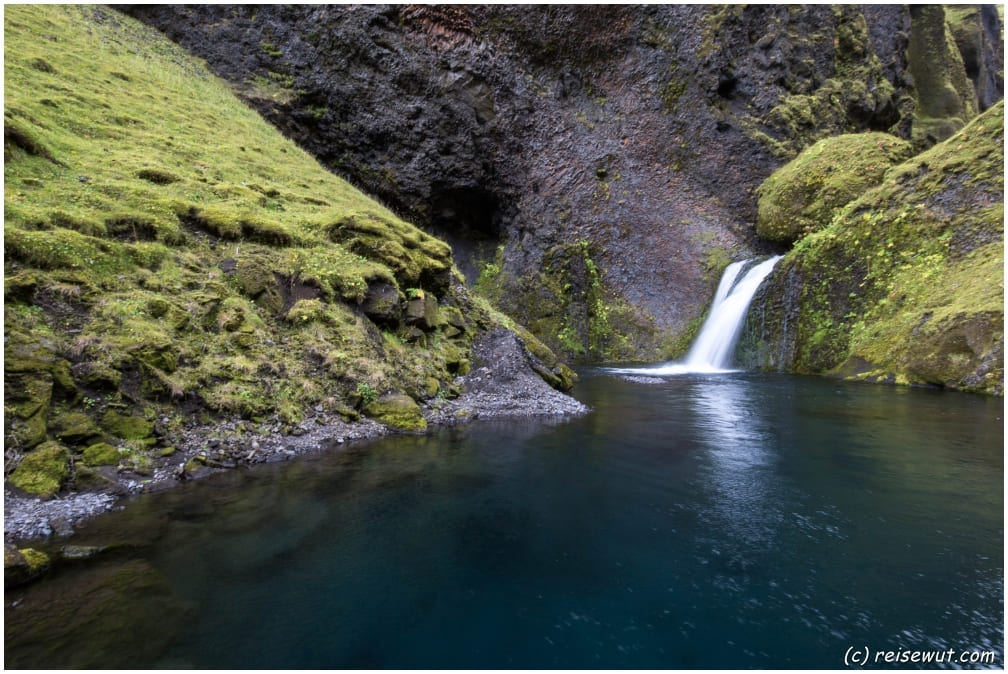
[734, 520]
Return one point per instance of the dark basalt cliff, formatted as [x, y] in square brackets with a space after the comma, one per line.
[595, 165]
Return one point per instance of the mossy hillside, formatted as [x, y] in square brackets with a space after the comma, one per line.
[907, 282]
[803, 195]
[168, 253]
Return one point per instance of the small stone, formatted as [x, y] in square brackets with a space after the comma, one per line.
[61, 527]
[80, 551]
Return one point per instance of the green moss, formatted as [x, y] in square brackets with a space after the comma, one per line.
[38, 561]
[74, 428]
[398, 411]
[803, 195]
[856, 97]
[488, 284]
[126, 427]
[416, 259]
[23, 565]
[42, 470]
[100, 454]
[306, 311]
[907, 283]
[27, 408]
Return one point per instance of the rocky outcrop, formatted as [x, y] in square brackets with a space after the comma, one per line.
[518, 133]
[906, 284]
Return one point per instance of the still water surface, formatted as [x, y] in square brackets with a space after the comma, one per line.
[731, 521]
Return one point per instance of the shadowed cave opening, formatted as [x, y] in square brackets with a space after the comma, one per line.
[469, 220]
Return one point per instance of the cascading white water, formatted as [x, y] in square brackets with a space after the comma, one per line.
[712, 350]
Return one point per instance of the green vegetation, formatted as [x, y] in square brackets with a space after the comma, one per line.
[573, 310]
[100, 454]
[802, 196]
[907, 282]
[165, 247]
[42, 471]
[488, 283]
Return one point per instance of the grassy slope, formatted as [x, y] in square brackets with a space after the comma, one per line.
[166, 248]
[907, 282]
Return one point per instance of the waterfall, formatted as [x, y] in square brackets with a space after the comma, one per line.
[713, 348]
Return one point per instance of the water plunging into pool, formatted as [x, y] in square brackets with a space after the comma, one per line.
[713, 348]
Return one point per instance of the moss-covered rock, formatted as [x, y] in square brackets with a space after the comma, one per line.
[27, 408]
[23, 565]
[43, 470]
[306, 311]
[93, 478]
[803, 195]
[256, 277]
[397, 410]
[907, 283]
[382, 303]
[126, 427]
[75, 428]
[100, 454]
[422, 311]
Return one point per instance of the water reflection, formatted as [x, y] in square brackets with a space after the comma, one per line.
[741, 456]
[734, 521]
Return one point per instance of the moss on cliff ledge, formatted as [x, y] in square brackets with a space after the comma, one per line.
[907, 283]
[165, 258]
[802, 196]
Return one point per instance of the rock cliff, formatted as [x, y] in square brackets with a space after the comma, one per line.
[596, 165]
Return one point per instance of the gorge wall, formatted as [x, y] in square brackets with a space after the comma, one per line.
[594, 168]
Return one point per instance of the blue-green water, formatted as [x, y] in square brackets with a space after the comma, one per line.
[728, 521]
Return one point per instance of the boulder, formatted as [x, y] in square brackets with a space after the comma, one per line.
[397, 410]
[42, 470]
[381, 303]
[23, 565]
[423, 312]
